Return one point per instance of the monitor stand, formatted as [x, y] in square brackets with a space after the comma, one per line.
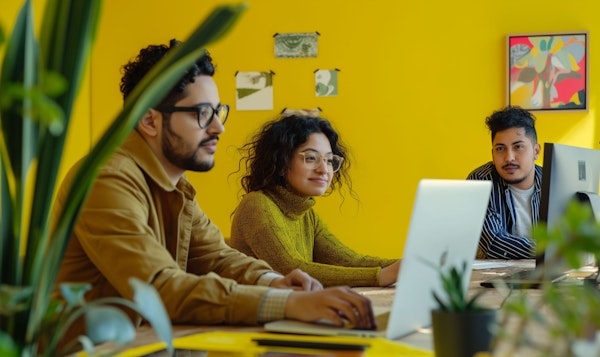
[594, 200]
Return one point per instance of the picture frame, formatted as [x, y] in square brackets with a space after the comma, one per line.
[548, 71]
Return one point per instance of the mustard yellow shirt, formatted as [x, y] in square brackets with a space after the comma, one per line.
[135, 223]
[282, 228]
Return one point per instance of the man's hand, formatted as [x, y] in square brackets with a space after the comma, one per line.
[297, 280]
[389, 274]
[335, 305]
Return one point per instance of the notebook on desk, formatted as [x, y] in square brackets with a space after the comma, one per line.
[445, 226]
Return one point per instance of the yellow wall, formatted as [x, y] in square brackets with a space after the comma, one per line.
[416, 82]
[79, 136]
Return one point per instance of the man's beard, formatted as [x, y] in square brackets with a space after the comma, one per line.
[515, 181]
[184, 161]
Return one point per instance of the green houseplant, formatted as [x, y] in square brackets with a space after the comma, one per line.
[39, 82]
[558, 317]
[461, 326]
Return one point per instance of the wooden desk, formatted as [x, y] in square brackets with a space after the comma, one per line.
[380, 297]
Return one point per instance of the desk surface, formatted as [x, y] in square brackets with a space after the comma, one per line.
[380, 297]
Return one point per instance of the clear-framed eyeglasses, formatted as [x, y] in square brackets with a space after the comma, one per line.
[205, 113]
[313, 160]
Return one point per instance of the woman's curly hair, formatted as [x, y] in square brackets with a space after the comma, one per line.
[267, 156]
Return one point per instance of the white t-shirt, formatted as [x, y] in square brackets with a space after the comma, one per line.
[522, 205]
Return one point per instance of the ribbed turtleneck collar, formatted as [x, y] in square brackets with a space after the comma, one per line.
[291, 204]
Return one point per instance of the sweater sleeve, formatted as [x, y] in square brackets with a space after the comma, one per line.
[260, 229]
[328, 249]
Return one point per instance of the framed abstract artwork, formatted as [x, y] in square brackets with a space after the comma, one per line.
[548, 71]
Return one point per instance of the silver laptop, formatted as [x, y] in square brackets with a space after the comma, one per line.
[445, 226]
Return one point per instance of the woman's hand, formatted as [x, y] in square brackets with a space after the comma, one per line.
[389, 274]
[297, 280]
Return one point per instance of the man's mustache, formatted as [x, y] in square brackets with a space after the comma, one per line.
[209, 139]
[510, 165]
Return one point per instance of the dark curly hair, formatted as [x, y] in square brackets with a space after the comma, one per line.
[267, 156]
[135, 70]
[512, 117]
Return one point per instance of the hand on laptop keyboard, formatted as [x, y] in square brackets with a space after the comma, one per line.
[338, 305]
[347, 323]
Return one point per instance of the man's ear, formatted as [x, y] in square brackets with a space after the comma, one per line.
[150, 123]
[536, 150]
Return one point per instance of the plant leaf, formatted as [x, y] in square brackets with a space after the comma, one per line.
[107, 323]
[73, 293]
[8, 347]
[87, 344]
[20, 66]
[453, 283]
[5, 213]
[14, 299]
[18, 148]
[68, 32]
[441, 303]
[152, 309]
[2, 35]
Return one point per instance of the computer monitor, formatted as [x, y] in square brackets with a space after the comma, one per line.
[568, 172]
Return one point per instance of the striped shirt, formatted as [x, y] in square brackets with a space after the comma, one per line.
[498, 240]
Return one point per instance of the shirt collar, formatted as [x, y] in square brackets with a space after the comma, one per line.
[136, 147]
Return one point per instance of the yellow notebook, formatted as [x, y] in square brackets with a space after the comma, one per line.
[231, 343]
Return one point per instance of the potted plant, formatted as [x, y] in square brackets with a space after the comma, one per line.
[461, 327]
[559, 319]
[39, 81]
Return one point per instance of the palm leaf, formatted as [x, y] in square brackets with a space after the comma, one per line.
[68, 32]
[5, 216]
[34, 127]
[18, 78]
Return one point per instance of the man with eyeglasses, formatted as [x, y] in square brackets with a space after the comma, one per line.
[142, 219]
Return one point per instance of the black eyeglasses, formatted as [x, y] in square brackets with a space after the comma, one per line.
[204, 112]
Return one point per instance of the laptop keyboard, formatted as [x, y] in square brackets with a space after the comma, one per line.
[522, 279]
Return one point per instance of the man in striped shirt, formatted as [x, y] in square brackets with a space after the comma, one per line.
[515, 198]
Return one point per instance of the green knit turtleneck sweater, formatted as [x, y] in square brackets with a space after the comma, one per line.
[282, 228]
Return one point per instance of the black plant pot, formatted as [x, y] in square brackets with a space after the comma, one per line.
[462, 334]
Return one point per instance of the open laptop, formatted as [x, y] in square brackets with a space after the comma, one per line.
[445, 226]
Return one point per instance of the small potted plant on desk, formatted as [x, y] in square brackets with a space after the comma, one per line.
[461, 327]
